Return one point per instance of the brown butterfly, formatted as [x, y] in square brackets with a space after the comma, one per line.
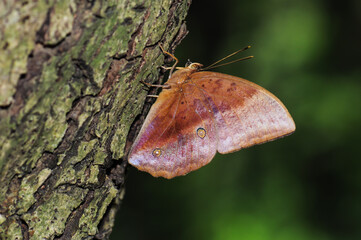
[199, 113]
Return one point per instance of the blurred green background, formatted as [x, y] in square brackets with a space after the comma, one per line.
[304, 186]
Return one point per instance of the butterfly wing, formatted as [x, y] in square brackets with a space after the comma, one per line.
[178, 135]
[245, 113]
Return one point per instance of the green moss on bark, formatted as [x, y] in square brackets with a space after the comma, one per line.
[69, 108]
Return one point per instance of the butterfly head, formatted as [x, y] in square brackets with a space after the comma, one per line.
[194, 66]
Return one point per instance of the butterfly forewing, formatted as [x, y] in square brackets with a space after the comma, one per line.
[245, 113]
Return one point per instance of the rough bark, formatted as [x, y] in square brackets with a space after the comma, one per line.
[70, 101]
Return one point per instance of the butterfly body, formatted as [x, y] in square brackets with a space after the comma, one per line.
[200, 113]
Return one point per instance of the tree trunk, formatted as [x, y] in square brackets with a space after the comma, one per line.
[70, 91]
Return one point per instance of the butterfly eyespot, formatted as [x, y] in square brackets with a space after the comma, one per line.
[157, 152]
[201, 132]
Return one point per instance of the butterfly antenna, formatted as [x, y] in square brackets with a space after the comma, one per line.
[237, 60]
[214, 65]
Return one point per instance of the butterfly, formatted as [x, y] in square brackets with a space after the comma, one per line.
[199, 113]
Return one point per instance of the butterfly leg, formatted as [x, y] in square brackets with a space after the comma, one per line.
[166, 68]
[169, 68]
[155, 85]
[172, 56]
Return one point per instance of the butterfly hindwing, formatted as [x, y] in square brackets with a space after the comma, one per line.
[178, 135]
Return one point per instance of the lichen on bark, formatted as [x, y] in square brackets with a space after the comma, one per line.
[70, 91]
